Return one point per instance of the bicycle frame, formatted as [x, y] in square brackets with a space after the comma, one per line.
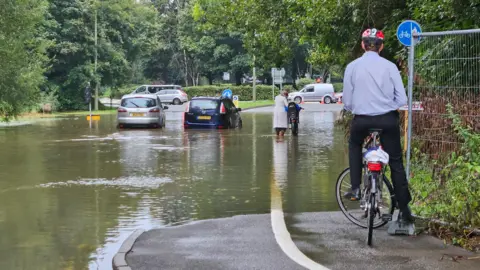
[371, 178]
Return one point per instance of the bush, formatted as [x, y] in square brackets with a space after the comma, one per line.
[245, 92]
[450, 193]
[304, 81]
[120, 91]
[48, 101]
[338, 87]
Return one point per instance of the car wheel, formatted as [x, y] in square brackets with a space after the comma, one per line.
[327, 100]
[298, 100]
[240, 124]
[177, 101]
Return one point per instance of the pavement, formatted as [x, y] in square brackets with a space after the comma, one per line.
[328, 238]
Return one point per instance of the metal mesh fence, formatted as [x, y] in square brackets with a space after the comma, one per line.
[447, 71]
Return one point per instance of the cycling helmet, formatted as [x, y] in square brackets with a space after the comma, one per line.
[372, 39]
[373, 34]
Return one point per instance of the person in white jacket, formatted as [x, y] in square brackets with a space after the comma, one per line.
[280, 119]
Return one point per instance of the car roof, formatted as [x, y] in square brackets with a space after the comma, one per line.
[140, 96]
[318, 84]
[162, 85]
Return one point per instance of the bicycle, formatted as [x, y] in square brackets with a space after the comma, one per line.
[377, 197]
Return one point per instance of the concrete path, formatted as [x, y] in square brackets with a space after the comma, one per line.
[247, 242]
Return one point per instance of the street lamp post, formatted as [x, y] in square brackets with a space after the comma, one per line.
[96, 56]
[254, 80]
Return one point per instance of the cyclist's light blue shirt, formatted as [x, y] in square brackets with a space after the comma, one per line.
[372, 86]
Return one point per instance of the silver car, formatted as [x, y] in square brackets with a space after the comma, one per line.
[141, 110]
[173, 96]
[153, 89]
[315, 92]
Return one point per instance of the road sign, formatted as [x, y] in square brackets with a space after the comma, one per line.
[227, 93]
[226, 76]
[277, 75]
[405, 30]
[235, 101]
[416, 106]
[93, 117]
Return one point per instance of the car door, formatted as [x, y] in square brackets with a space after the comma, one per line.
[162, 112]
[309, 93]
[171, 95]
[162, 94]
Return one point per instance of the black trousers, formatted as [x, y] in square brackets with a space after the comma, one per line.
[390, 139]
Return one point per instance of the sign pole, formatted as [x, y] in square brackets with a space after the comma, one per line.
[273, 90]
[405, 132]
[254, 80]
[90, 109]
[411, 58]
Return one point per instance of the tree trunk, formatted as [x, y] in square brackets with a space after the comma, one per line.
[210, 78]
[238, 77]
[186, 67]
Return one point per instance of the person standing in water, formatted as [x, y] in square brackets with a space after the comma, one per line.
[280, 119]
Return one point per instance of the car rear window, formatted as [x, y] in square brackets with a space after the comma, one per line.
[203, 104]
[138, 102]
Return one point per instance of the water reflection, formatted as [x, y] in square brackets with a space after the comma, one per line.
[71, 194]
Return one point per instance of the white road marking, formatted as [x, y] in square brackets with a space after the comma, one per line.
[282, 236]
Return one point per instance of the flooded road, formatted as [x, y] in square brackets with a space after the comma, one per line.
[70, 195]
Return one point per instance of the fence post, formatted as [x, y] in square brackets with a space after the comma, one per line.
[411, 58]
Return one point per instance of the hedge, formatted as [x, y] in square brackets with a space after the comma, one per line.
[245, 92]
[304, 81]
[338, 87]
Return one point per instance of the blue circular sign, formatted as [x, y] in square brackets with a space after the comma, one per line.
[227, 93]
[405, 30]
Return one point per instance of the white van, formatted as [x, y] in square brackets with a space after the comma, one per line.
[315, 92]
[153, 89]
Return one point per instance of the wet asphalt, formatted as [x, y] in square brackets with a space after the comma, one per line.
[247, 242]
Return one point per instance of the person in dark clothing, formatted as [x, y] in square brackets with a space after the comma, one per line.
[373, 91]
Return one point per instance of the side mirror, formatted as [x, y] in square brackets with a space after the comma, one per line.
[239, 109]
[165, 107]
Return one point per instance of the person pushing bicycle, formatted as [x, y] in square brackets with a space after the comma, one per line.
[373, 91]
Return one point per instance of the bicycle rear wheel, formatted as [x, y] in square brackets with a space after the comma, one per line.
[371, 206]
[354, 211]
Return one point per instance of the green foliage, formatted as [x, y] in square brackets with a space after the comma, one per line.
[22, 48]
[245, 92]
[450, 193]
[304, 81]
[48, 97]
[338, 87]
[127, 34]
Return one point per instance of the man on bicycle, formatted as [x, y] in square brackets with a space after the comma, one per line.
[373, 91]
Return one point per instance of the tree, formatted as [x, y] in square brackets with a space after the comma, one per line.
[127, 35]
[22, 48]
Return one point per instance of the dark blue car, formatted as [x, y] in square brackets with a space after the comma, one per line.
[212, 112]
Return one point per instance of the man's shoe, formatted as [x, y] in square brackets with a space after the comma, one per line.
[353, 195]
[405, 216]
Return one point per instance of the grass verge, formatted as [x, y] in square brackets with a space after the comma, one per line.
[253, 104]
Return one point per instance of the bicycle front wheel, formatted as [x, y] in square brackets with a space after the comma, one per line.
[356, 211]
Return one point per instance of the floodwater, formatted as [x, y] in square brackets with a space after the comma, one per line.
[70, 194]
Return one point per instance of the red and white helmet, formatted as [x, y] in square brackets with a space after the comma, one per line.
[373, 33]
